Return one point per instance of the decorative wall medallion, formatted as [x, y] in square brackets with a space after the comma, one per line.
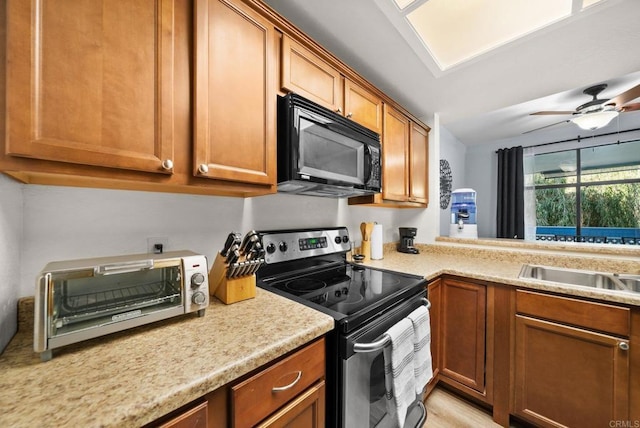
[445, 184]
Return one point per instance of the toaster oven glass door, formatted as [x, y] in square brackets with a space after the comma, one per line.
[85, 299]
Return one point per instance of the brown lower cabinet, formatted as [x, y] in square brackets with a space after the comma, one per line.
[289, 392]
[463, 330]
[572, 361]
[546, 359]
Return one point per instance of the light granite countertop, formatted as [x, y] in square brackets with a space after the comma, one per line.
[501, 263]
[134, 377]
[131, 378]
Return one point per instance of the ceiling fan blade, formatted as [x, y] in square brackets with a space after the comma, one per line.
[544, 113]
[625, 97]
[631, 107]
[546, 126]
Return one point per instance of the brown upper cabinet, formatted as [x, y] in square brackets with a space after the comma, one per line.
[163, 95]
[93, 85]
[175, 96]
[235, 97]
[405, 163]
[307, 74]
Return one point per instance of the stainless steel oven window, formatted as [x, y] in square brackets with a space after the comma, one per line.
[327, 154]
[80, 302]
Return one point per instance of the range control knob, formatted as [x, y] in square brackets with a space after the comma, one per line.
[338, 239]
[197, 279]
[345, 239]
[198, 298]
[283, 246]
[271, 248]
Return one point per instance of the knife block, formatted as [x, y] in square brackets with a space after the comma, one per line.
[229, 290]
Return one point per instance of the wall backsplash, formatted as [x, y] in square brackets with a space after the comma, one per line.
[67, 223]
[11, 210]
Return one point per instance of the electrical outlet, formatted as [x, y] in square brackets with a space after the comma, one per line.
[157, 245]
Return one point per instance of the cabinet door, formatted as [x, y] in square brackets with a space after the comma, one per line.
[305, 411]
[362, 106]
[91, 82]
[566, 376]
[463, 333]
[306, 74]
[395, 142]
[235, 97]
[419, 164]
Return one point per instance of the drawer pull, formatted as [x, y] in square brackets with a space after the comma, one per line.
[623, 346]
[291, 385]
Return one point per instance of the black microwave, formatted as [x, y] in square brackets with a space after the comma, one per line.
[321, 153]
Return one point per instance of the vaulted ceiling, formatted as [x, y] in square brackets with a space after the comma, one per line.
[490, 96]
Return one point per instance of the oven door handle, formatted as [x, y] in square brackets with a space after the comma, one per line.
[125, 267]
[384, 339]
[423, 418]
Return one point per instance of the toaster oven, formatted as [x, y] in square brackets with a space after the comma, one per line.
[82, 299]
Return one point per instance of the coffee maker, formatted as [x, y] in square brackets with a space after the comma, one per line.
[406, 240]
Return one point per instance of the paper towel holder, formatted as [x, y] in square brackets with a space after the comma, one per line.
[377, 242]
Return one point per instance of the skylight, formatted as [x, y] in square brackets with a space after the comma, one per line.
[454, 31]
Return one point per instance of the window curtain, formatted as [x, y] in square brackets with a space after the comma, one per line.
[510, 210]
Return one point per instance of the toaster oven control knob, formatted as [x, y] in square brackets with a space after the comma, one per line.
[197, 279]
[271, 248]
[198, 298]
[338, 239]
[345, 239]
[283, 246]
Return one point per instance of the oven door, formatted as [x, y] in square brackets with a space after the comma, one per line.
[363, 386]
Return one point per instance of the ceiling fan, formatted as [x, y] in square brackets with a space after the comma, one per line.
[596, 113]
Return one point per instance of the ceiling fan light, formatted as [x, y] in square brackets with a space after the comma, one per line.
[595, 120]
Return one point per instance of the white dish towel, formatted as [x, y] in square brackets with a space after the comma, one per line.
[399, 371]
[422, 365]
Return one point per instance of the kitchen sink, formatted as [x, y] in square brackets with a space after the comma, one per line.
[602, 280]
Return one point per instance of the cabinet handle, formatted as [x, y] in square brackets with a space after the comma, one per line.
[623, 346]
[291, 385]
[203, 168]
[339, 110]
[167, 164]
[349, 115]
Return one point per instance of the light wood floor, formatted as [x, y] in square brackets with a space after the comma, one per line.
[446, 410]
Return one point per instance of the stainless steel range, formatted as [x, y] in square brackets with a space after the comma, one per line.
[310, 266]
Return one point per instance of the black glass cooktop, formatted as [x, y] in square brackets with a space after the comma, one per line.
[346, 289]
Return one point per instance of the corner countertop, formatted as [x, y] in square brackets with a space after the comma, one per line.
[133, 377]
[500, 261]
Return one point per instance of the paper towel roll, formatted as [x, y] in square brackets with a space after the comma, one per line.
[376, 242]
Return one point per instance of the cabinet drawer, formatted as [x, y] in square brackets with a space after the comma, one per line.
[255, 398]
[195, 417]
[595, 316]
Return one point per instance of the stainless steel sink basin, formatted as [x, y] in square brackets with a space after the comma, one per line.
[603, 280]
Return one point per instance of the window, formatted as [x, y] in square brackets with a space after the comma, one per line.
[588, 195]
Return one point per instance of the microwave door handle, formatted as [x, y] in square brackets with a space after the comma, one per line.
[368, 165]
[125, 267]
